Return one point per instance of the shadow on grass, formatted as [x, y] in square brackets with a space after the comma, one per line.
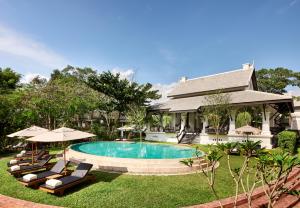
[7, 154]
[99, 177]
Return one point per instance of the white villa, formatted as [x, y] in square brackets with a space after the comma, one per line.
[187, 99]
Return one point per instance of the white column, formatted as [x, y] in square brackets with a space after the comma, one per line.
[183, 121]
[232, 122]
[295, 121]
[204, 122]
[266, 123]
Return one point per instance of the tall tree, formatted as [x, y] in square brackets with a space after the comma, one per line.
[123, 92]
[8, 79]
[9, 103]
[62, 100]
[276, 80]
[137, 117]
[217, 110]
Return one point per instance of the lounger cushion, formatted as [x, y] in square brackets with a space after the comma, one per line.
[12, 162]
[59, 166]
[53, 183]
[82, 169]
[20, 155]
[23, 152]
[65, 180]
[29, 177]
[45, 174]
[15, 168]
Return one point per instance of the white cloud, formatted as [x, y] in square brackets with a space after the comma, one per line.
[288, 6]
[295, 91]
[292, 3]
[124, 73]
[163, 89]
[18, 45]
[29, 77]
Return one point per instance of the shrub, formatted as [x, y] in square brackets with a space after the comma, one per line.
[287, 141]
[243, 119]
[100, 131]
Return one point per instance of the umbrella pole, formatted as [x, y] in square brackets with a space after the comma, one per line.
[35, 148]
[65, 169]
[32, 149]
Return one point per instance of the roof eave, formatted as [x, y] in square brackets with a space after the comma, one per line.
[201, 93]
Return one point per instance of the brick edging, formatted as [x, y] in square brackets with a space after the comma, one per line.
[7, 201]
[228, 202]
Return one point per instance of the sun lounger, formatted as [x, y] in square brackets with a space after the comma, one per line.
[55, 172]
[23, 169]
[20, 145]
[80, 175]
[29, 160]
[28, 155]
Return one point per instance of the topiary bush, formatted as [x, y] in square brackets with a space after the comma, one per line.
[287, 141]
[243, 119]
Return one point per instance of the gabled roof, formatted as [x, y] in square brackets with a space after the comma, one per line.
[234, 80]
[237, 98]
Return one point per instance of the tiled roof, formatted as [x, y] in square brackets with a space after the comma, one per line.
[238, 97]
[227, 80]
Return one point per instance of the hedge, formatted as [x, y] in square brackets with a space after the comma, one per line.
[287, 141]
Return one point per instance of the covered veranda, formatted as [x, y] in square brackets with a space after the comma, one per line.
[187, 113]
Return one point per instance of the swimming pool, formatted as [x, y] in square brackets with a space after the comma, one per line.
[138, 150]
[138, 158]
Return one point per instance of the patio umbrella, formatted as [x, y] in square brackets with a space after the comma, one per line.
[248, 130]
[62, 134]
[29, 132]
[125, 128]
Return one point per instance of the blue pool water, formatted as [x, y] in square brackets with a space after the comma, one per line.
[140, 150]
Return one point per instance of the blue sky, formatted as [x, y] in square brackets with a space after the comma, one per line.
[159, 40]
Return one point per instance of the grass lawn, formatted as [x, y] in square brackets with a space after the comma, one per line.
[115, 190]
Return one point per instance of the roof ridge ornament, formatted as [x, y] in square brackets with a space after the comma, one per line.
[248, 66]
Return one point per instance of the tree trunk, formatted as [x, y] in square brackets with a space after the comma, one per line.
[49, 121]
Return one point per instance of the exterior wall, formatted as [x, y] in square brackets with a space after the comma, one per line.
[211, 139]
[160, 137]
[295, 120]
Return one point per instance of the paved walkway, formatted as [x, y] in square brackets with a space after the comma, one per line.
[9, 202]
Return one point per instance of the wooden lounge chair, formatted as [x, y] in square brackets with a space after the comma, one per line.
[43, 164]
[80, 175]
[28, 155]
[55, 172]
[36, 158]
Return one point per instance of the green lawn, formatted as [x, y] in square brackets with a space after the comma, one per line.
[115, 190]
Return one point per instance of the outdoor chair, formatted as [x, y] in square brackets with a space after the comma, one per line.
[59, 186]
[18, 170]
[25, 161]
[33, 180]
[28, 154]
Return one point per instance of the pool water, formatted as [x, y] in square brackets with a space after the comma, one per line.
[140, 150]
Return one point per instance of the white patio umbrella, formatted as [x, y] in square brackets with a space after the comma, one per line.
[125, 128]
[62, 134]
[29, 132]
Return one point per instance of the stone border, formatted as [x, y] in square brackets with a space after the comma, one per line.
[135, 166]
